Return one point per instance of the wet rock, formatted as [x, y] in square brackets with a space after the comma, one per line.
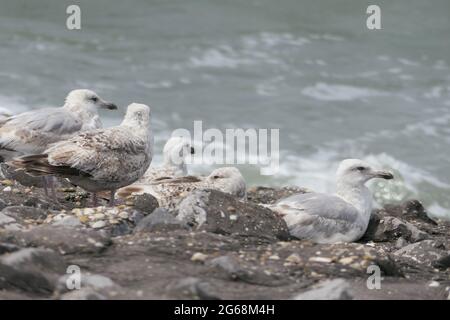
[32, 270]
[35, 260]
[237, 270]
[160, 220]
[3, 204]
[32, 282]
[7, 248]
[424, 253]
[221, 213]
[22, 213]
[385, 229]
[61, 239]
[337, 289]
[411, 209]
[442, 263]
[266, 195]
[193, 288]
[145, 203]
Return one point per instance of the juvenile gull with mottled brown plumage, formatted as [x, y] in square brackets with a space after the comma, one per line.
[99, 160]
[169, 191]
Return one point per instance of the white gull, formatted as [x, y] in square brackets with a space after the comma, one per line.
[326, 218]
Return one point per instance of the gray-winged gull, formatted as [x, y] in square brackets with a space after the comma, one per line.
[326, 218]
[34, 131]
[168, 191]
[102, 159]
[175, 151]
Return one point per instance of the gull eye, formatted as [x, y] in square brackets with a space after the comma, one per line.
[360, 168]
[94, 99]
[216, 177]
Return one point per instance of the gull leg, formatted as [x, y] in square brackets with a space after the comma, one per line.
[44, 181]
[112, 199]
[51, 183]
[94, 199]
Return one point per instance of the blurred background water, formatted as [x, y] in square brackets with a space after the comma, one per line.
[311, 68]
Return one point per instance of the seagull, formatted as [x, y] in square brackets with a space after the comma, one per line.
[175, 151]
[34, 131]
[167, 191]
[326, 218]
[102, 159]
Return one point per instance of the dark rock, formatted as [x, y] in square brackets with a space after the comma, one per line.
[13, 279]
[237, 270]
[389, 267]
[423, 253]
[442, 263]
[337, 289]
[386, 229]
[120, 229]
[221, 213]
[160, 220]
[35, 260]
[194, 288]
[23, 213]
[266, 195]
[3, 204]
[8, 248]
[411, 209]
[64, 240]
[145, 203]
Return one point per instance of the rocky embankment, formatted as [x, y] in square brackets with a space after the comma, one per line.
[211, 247]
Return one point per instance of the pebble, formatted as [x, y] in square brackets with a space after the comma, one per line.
[294, 258]
[198, 256]
[98, 224]
[347, 260]
[7, 189]
[434, 284]
[320, 259]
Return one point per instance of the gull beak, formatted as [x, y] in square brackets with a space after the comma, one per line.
[384, 175]
[108, 106]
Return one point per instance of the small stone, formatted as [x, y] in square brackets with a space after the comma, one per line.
[123, 215]
[320, 259]
[7, 189]
[434, 284]
[274, 257]
[294, 258]
[347, 260]
[8, 183]
[84, 219]
[99, 216]
[199, 257]
[98, 224]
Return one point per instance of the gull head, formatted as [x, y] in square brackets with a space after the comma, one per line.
[355, 172]
[229, 180]
[87, 99]
[138, 116]
[176, 150]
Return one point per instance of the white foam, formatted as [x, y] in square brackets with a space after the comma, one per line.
[337, 92]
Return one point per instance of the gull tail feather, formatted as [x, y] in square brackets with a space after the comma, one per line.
[136, 189]
[37, 165]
